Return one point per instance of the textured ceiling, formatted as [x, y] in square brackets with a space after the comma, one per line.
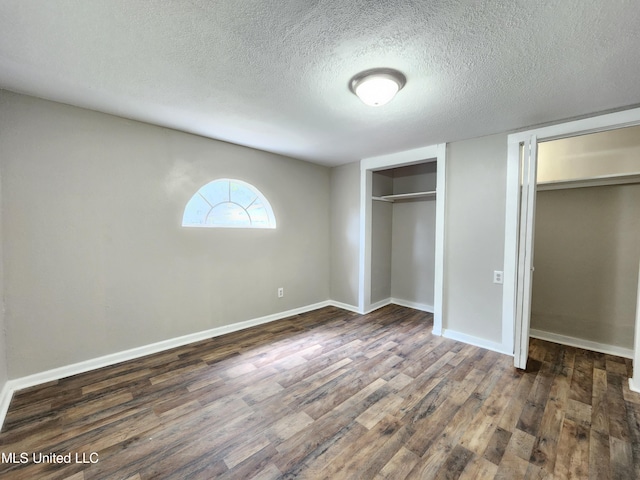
[273, 74]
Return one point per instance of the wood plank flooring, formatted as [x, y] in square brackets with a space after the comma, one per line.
[333, 395]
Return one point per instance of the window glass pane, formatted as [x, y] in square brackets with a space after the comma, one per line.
[215, 192]
[196, 210]
[259, 217]
[228, 214]
[242, 195]
[228, 203]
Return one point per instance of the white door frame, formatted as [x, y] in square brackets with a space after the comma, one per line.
[599, 123]
[400, 159]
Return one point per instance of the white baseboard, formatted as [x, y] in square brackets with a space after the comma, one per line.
[345, 306]
[633, 387]
[377, 305]
[476, 341]
[416, 306]
[397, 301]
[581, 343]
[81, 367]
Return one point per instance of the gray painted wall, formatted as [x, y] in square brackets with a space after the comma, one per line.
[586, 258]
[381, 238]
[474, 236]
[413, 236]
[95, 259]
[345, 233]
[421, 177]
[382, 183]
[413, 251]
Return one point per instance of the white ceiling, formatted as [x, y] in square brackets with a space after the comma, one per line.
[274, 74]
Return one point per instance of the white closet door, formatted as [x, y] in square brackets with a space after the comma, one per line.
[528, 169]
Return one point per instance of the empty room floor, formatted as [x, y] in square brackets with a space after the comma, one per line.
[336, 395]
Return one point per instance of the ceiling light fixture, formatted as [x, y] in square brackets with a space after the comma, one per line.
[377, 86]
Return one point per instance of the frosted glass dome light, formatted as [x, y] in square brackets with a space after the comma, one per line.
[378, 86]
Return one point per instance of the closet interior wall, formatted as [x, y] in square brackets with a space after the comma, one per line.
[586, 257]
[403, 236]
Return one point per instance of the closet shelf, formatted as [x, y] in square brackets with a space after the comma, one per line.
[405, 196]
[600, 181]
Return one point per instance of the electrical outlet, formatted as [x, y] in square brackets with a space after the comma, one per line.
[497, 277]
[280, 292]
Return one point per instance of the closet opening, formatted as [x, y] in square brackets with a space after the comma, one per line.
[587, 241]
[521, 205]
[403, 236]
[402, 231]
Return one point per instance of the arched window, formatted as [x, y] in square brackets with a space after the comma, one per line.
[228, 203]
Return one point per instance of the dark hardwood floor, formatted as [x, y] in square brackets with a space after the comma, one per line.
[333, 395]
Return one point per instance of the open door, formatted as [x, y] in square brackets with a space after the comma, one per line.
[528, 172]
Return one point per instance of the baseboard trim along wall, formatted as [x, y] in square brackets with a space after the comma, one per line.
[476, 341]
[377, 305]
[107, 360]
[345, 306]
[581, 343]
[417, 306]
[396, 301]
